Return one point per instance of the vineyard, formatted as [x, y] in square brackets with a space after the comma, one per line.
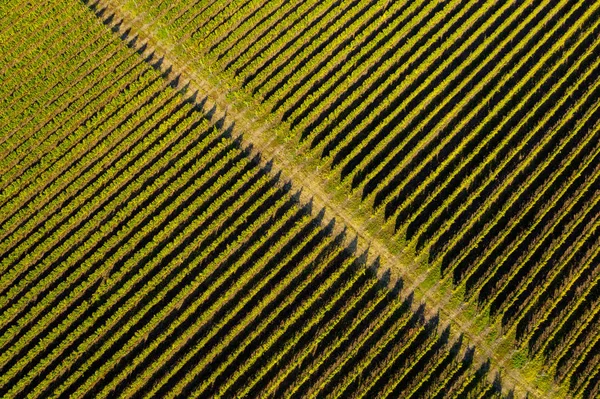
[473, 129]
[146, 251]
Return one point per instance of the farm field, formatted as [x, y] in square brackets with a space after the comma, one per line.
[144, 253]
[148, 250]
[472, 129]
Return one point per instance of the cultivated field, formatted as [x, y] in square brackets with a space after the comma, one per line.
[472, 128]
[143, 253]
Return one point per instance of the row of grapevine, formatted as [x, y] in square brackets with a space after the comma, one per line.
[144, 253]
[472, 127]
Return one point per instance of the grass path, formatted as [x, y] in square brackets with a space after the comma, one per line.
[264, 136]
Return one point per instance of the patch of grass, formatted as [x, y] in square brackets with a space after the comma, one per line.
[162, 33]
[519, 359]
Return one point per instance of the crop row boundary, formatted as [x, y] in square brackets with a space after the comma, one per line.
[262, 136]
